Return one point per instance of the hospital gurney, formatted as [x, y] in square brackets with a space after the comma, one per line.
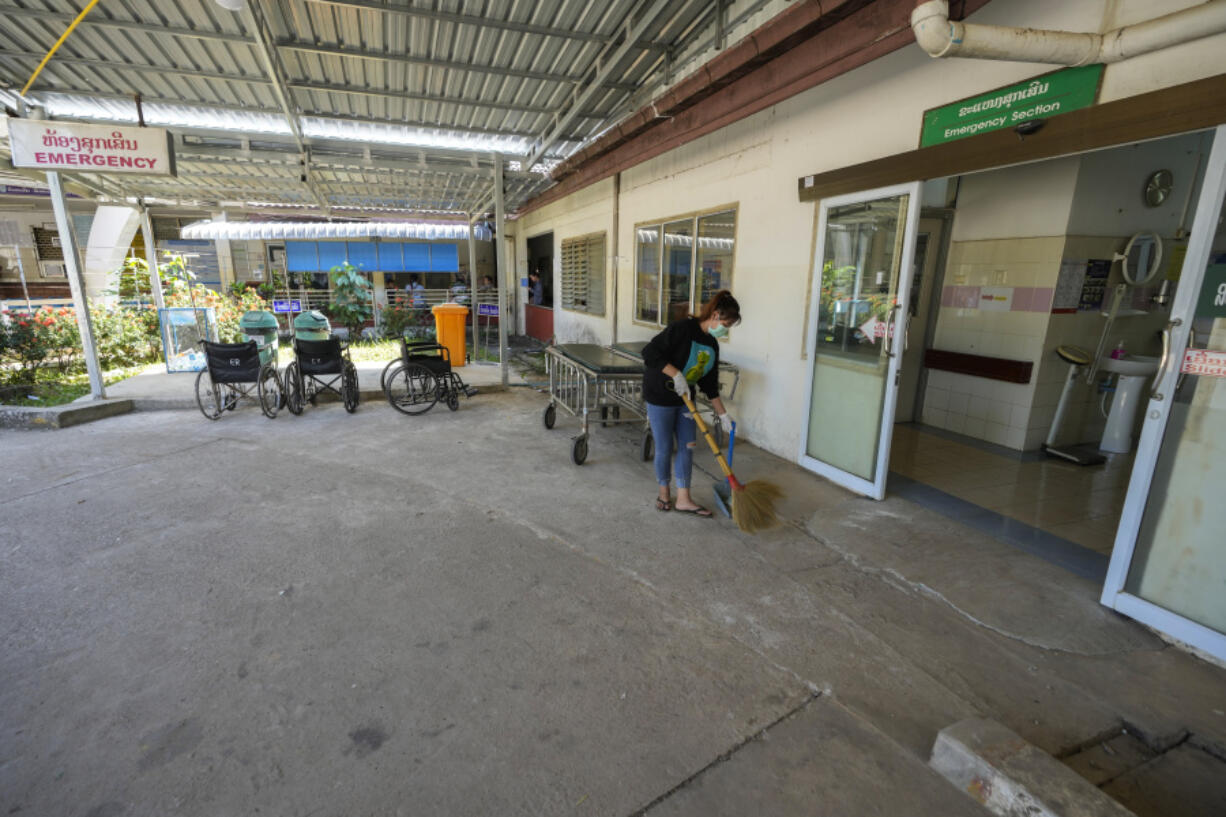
[729, 378]
[584, 378]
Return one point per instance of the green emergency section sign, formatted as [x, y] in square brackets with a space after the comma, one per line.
[1212, 301]
[1042, 97]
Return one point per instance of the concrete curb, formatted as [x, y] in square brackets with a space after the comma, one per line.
[62, 416]
[1011, 777]
[366, 396]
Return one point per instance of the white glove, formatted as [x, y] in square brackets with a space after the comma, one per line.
[680, 385]
[725, 421]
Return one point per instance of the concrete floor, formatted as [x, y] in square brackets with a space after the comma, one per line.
[380, 614]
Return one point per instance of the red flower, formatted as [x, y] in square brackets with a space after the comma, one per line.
[22, 323]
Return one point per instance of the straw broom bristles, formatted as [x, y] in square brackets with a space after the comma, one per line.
[753, 503]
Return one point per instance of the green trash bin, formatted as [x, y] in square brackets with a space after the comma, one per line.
[261, 326]
[312, 325]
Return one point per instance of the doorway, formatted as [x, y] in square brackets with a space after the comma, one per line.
[930, 244]
[538, 312]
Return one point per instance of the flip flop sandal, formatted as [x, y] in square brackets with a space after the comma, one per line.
[663, 505]
[699, 511]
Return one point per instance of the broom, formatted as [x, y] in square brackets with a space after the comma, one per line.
[753, 503]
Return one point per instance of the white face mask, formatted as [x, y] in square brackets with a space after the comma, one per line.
[718, 331]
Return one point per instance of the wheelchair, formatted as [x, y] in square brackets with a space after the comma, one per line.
[421, 377]
[320, 366]
[235, 370]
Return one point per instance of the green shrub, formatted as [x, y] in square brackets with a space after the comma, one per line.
[350, 305]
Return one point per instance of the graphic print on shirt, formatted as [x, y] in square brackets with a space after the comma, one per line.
[699, 362]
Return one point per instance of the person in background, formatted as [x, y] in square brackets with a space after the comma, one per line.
[415, 291]
[536, 290]
[487, 283]
[684, 354]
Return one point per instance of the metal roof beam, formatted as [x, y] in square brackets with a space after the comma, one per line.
[467, 19]
[386, 94]
[248, 109]
[254, 19]
[273, 160]
[95, 21]
[113, 65]
[606, 63]
[383, 56]
[409, 158]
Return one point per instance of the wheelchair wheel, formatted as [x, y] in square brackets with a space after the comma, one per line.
[412, 389]
[349, 387]
[294, 400]
[208, 396]
[648, 446]
[453, 400]
[269, 387]
[230, 400]
[551, 415]
[387, 370]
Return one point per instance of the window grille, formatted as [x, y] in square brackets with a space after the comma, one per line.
[583, 273]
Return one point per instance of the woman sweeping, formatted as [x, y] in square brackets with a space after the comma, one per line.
[684, 354]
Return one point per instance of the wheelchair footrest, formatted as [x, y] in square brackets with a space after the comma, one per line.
[469, 391]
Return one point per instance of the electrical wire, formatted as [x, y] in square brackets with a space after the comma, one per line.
[57, 45]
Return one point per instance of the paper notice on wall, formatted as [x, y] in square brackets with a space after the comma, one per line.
[996, 299]
[1204, 363]
[1068, 286]
[1094, 287]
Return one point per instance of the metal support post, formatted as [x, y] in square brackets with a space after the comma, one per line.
[21, 271]
[472, 285]
[151, 258]
[501, 264]
[72, 261]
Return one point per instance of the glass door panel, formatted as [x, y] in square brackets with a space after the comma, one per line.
[862, 282]
[647, 272]
[678, 258]
[1168, 567]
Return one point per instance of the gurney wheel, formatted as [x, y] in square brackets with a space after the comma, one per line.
[578, 451]
[649, 445]
[551, 415]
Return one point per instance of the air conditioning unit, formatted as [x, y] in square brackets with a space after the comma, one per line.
[54, 269]
[55, 241]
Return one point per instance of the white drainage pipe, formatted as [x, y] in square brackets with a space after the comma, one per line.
[942, 37]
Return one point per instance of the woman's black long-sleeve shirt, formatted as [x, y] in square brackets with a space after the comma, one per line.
[692, 351]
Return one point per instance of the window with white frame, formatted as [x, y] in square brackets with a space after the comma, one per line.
[583, 273]
[681, 263]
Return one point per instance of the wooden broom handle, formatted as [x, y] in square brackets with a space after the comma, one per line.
[723, 464]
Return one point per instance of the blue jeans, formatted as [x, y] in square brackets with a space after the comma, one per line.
[668, 422]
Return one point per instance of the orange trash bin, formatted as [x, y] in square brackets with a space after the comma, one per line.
[449, 326]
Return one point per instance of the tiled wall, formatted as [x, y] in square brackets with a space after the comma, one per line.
[1022, 270]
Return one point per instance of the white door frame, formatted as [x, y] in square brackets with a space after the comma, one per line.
[1200, 243]
[876, 487]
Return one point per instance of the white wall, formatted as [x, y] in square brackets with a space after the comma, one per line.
[869, 113]
[588, 211]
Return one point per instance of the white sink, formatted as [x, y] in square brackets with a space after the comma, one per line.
[1130, 366]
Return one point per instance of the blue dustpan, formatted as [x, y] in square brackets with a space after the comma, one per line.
[723, 491]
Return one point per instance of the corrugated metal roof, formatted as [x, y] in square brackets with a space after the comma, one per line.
[362, 103]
